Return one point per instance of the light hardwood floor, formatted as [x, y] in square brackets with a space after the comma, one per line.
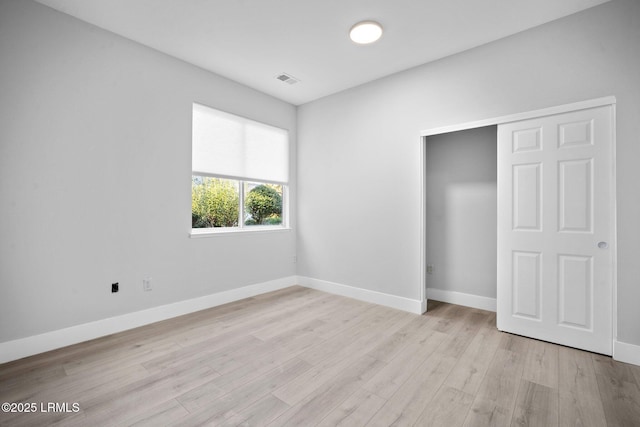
[299, 357]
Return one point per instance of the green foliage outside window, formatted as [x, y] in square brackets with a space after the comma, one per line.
[264, 204]
[214, 203]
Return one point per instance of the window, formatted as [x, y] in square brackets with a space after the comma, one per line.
[240, 172]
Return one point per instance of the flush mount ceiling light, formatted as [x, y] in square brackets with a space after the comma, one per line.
[365, 32]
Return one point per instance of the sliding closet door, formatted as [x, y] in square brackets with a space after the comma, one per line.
[555, 228]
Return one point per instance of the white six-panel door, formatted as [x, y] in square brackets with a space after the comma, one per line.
[555, 232]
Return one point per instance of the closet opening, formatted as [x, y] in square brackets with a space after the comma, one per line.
[460, 211]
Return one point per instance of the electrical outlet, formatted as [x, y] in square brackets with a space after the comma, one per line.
[146, 284]
[115, 287]
[429, 269]
[294, 259]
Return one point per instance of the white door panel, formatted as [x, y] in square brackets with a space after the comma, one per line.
[554, 207]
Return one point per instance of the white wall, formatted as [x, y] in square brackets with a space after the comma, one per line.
[359, 153]
[461, 211]
[95, 176]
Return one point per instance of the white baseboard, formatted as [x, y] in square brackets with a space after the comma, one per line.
[29, 346]
[23, 347]
[459, 298]
[393, 301]
[627, 353]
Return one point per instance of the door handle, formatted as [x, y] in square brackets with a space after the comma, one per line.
[603, 245]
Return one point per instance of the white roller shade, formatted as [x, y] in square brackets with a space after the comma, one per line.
[230, 146]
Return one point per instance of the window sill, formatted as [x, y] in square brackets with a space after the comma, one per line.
[197, 233]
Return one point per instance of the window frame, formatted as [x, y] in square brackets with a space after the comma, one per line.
[242, 227]
[242, 181]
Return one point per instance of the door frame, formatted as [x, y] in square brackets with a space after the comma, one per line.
[566, 108]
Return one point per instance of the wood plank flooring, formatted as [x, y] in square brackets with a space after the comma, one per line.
[300, 357]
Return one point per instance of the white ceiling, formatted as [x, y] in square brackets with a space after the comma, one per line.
[253, 41]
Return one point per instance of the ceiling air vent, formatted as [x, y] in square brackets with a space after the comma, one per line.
[284, 77]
